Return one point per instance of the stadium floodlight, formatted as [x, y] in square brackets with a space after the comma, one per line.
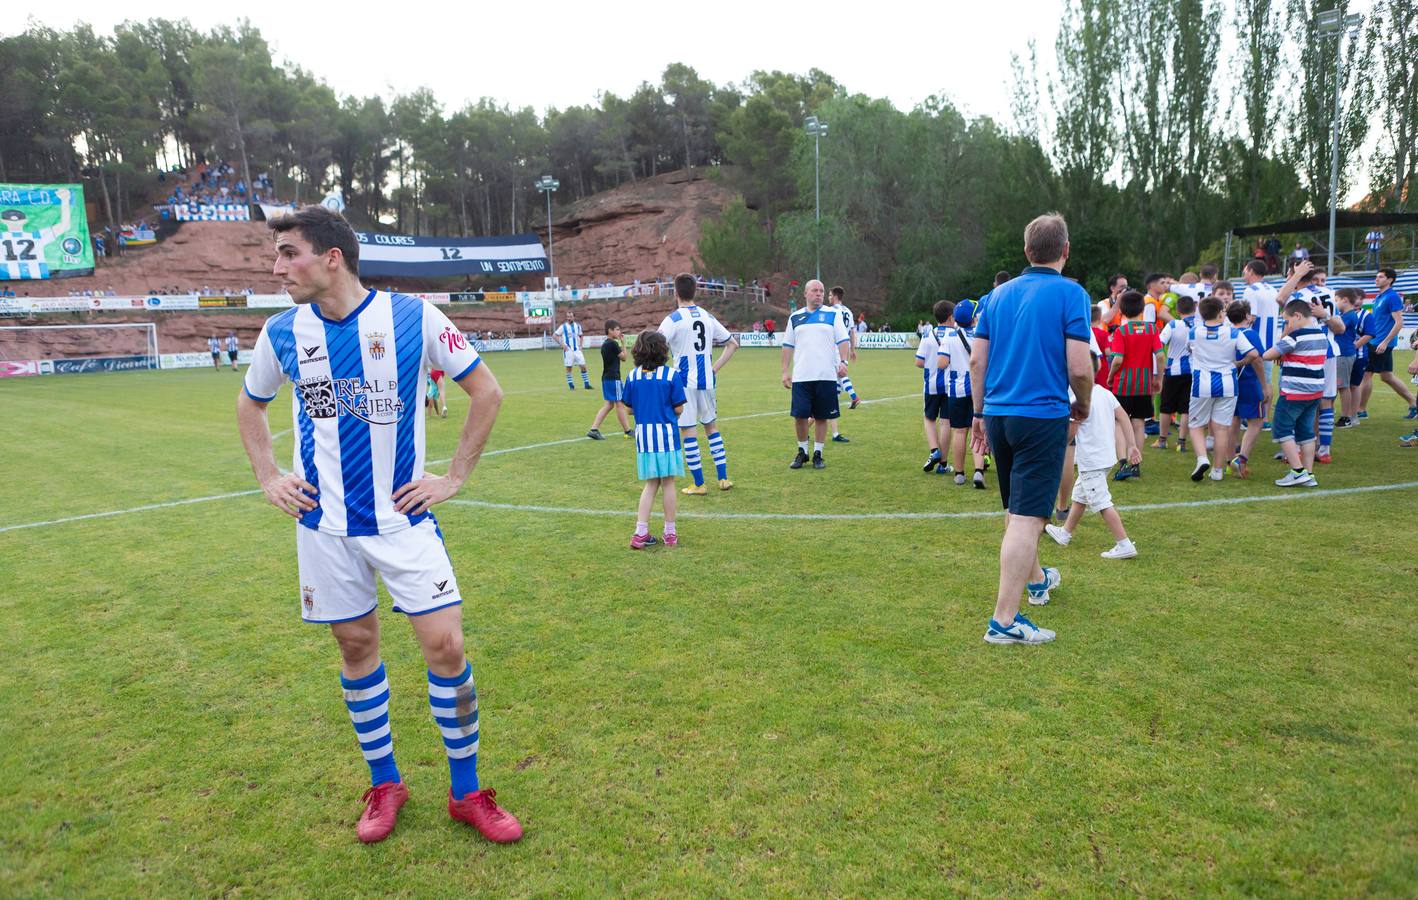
[548, 185]
[817, 128]
[1330, 24]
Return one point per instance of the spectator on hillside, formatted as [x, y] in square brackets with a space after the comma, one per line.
[1272, 253]
[1374, 242]
[1298, 255]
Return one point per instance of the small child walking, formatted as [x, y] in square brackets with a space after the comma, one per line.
[655, 395]
[1096, 451]
[612, 355]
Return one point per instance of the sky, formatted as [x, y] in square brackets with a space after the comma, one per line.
[559, 54]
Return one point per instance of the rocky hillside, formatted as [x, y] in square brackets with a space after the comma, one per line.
[219, 255]
[643, 229]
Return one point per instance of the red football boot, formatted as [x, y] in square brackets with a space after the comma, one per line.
[491, 820]
[381, 810]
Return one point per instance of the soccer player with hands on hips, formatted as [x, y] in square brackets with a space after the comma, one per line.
[357, 360]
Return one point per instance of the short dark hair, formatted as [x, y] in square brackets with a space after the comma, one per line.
[1095, 314]
[1297, 307]
[1001, 277]
[685, 284]
[651, 350]
[1151, 279]
[1045, 238]
[1353, 295]
[1211, 307]
[838, 291]
[1114, 279]
[1208, 272]
[943, 310]
[1309, 276]
[323, 229]
[611, 325]
[1226, 286]
[1258, 267]
[1389, 273]
[1186, 305]
[1131, 304]
[1238, 311]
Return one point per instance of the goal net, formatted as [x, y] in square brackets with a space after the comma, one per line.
[70, 349]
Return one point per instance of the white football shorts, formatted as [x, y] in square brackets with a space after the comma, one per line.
[1331, 377]
[337, 573]
[1205, 411]
[571, 358]
[701, 407]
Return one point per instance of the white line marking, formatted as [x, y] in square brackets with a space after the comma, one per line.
[576, 440]
[124, 512]
[968, 514]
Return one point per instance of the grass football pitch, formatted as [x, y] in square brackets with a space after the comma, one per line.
[796, 700]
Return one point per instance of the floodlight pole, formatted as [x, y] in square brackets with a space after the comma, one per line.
[1329, 24]
[818, 129]
[548, 185]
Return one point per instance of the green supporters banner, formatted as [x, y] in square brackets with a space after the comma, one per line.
[44, 232]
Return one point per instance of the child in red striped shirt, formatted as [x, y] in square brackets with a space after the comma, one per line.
[1135, 373]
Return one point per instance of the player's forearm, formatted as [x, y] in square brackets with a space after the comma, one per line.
[979, 362]
[729, 350]
[485, 399]
[787, 358]
[255, 434]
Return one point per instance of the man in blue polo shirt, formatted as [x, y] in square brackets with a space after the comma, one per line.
[1031, 346]
[1383, 327]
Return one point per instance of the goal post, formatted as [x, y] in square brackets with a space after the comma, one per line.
[71, 349]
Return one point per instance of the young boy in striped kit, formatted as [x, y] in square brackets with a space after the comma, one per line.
[1217, 348]
[1301, 351]
[1177, 380]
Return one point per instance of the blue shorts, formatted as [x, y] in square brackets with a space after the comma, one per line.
[611, 390]
[1294, 420]
[1248, 400]
[1356, 375]
[1028, 455]
[815, 400]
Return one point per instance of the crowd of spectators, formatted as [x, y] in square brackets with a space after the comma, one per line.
[220, 184]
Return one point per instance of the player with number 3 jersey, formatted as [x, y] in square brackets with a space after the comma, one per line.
[693, 333]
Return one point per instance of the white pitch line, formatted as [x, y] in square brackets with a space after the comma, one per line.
[124, 512]
[576, 440]
[968, 514]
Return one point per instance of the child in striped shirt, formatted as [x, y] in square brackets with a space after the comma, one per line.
[1301, 350]
[655, 395]
[1135, 373]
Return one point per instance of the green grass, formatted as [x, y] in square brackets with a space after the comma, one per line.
[780, 706]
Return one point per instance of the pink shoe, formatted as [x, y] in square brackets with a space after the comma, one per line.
[381, 810]
[479, 810]
[641, 541]
[671, 540]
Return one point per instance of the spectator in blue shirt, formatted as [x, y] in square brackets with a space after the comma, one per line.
[1384, 325]
[1030, 347]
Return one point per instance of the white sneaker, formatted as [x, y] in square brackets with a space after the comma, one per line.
[1218, 474]
[1020, 631]
[1199, 472]
[1060, 535]
[1310, 482]
[1121, 550]
[1293, 478]
[1052, 576]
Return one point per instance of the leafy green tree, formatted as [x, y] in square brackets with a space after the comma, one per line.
[734, 245]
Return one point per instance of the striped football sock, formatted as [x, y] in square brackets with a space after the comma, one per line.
[367, 699]
[569, 383]
[1326, 427]
[585, 379]
[721, 458]
[691, 459]
[454, 702]
[847, 386]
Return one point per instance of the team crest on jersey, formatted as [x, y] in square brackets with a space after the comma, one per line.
[376, 344]
[371, 400]
[307, 597]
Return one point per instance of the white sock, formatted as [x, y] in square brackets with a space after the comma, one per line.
[1201, 460]
[642, 527]
[1125, 544]
[816, 447]
[802, 445]
[670, 527]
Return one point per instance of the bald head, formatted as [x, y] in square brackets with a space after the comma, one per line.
[813, 293]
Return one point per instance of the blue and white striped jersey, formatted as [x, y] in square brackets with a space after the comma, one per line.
[358, 410]
[1215, 350]
[847, 318]
[1269, 323]
[570, 334]
[652, 397]
[693, 334]
[928, 351]
[957, 376]
[231, 343]
[1174, 337]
